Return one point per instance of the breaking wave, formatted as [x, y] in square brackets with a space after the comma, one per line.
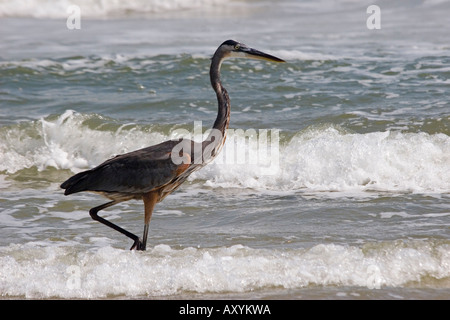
[68, 272]
[319, 158]
[98, 8]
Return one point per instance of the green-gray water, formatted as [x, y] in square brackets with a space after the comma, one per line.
[355, 206]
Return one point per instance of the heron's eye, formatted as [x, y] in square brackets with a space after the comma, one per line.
[237, 47]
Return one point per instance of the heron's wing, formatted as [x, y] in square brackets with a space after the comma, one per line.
[136, 172]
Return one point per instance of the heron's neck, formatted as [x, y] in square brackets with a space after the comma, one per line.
[216, 139]
[223, 100]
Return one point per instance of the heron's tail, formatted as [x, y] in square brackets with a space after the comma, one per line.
[75, 183]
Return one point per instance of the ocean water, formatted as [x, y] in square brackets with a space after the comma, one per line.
[334, 182]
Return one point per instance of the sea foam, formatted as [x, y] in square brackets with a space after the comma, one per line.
[319, 158]
[98, 8]
[71, 272]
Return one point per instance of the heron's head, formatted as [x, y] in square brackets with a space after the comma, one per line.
[231, 48]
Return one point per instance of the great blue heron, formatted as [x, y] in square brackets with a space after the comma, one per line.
[154, 172]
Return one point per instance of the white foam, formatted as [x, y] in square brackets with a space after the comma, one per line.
[99, 8]
[301, 55]
[322, 158]
[328, 159]
[403, 214]
[34, 270]
[66, 143]
[80, 65]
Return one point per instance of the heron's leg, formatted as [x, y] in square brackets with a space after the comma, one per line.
[144, 237]
[93, 212]
[150, 200]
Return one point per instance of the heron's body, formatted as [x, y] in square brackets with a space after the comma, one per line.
[154, 172]
[129, 176]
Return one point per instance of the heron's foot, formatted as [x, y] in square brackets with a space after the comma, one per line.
[138, 245]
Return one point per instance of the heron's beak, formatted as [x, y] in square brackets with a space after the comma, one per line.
[255, 54]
